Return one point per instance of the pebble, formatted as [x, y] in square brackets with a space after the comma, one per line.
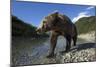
[27, 57]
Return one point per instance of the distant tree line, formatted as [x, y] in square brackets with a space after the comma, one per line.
[22, 29]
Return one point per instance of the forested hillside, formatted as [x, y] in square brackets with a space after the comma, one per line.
[22, 29]
[86, 24]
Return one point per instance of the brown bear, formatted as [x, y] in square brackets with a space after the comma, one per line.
[59, 24]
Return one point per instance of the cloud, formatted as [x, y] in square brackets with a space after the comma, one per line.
[80, 15]
[91, 7]
[83, 14]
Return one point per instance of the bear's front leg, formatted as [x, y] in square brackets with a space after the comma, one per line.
[53, 41]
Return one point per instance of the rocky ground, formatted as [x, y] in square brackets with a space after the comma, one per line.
[30, 54]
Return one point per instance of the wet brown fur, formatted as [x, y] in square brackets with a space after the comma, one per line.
[59, 25]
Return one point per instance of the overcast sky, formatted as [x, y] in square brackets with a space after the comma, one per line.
[33, 13]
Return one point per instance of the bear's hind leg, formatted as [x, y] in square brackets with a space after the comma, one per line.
[74, 40]
[68, 44]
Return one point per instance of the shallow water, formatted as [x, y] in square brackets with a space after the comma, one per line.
[29, 51]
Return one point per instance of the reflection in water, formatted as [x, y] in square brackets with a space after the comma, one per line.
[31, 51]
[27, 51]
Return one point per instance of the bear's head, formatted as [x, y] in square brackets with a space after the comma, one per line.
[48, 23]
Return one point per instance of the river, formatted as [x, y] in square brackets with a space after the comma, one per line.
[31, 51]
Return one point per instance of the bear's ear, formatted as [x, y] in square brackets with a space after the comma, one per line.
[55, 14]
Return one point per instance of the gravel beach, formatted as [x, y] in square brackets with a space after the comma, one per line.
[28, 52]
